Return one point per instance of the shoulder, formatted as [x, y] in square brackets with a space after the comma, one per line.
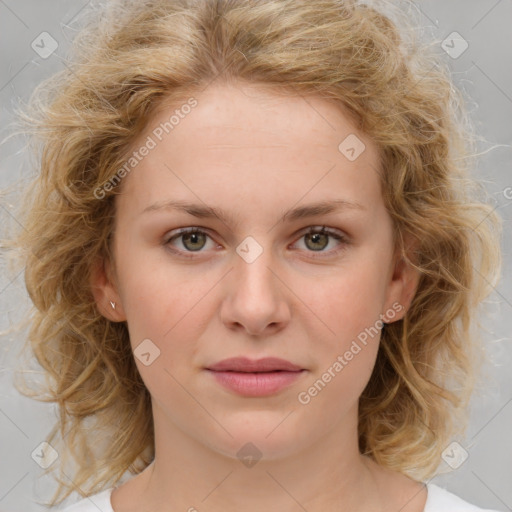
[99, 501]
[441, 500]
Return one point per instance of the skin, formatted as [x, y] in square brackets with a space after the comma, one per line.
[256, 154]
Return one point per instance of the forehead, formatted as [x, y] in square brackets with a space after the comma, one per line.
[250, 141]
[259, 110]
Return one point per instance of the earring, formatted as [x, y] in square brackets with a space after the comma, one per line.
[113, 304]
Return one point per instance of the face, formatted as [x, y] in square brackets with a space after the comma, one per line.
[253, 281]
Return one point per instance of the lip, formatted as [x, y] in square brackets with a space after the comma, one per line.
[256, 384]
[260, 377]
[244, 364]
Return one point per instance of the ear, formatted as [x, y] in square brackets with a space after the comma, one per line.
[104, 290]
[403, 283]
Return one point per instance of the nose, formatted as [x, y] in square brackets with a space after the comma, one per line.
[256, 300]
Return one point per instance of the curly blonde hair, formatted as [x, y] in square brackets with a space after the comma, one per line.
[131, 57]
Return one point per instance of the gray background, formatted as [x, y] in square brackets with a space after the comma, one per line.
[483, 72]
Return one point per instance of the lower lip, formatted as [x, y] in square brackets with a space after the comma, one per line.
[256, 384]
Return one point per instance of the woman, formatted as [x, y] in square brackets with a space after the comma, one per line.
[255, 255]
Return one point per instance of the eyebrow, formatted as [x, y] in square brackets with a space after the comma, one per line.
[202, 211]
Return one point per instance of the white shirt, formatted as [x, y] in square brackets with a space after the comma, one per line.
[438, 500]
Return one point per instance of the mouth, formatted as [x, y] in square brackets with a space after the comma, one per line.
[258, 378]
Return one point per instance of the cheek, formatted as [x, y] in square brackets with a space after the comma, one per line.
[164, 305]
[345, 345]
[352, 299]
[346, 327]
[164, 323]
[154, 294]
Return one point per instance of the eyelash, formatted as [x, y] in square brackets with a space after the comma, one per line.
[311, 230]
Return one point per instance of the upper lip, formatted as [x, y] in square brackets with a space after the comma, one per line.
[243, 364]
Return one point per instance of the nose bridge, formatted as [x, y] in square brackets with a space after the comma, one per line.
[253, 263]
[254, 299]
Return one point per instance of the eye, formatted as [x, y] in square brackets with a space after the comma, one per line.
[317, 239]
[192, 239]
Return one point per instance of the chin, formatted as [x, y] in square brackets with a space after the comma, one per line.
[261, 435]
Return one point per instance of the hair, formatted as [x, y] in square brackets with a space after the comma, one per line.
[132, 57]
